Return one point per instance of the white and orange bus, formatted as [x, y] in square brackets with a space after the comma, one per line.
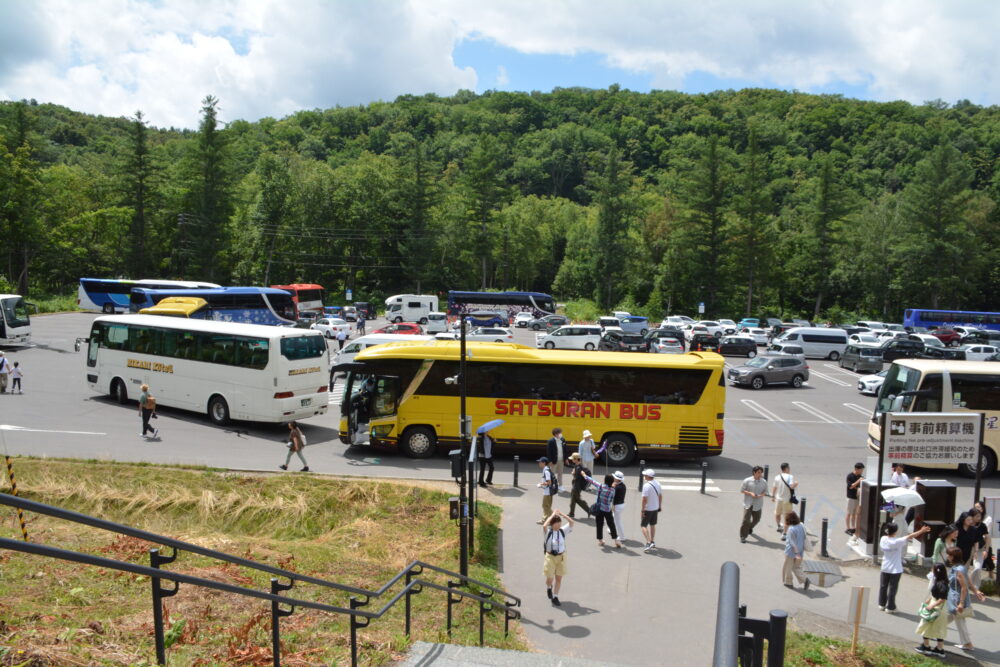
[405, 396]
[307, 297]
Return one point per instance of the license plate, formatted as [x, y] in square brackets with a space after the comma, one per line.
[306, 401]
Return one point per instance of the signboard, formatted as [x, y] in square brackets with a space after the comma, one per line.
[701, 307]
[857, 610]
[349, 296]
[932, 437]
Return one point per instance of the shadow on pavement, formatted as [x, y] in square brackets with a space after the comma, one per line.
[661, 552]
[567, 631]
[509, 492]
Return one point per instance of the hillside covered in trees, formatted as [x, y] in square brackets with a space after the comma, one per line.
[754, 201]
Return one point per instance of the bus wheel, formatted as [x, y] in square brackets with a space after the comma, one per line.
[108, 309]
[118, 391]
[834, 356]
[621, 449]
[988, 464]
[418, 442]
[218, 410]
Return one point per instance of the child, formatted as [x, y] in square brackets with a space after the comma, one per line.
[16, 374]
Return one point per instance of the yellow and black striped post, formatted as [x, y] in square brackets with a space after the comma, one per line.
[13, 487]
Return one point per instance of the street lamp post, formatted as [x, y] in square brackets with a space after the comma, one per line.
[466, 492]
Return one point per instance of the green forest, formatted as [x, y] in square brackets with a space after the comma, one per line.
[755, 202]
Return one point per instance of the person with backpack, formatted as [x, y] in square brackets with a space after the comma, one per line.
[549, 487]
[580, 475]
[554, 545]
[603, 509]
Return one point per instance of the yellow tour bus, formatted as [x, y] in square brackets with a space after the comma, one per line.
[935, 385]
[405, 396]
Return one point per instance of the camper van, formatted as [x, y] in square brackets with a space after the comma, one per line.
[410, 307]
[817, 342]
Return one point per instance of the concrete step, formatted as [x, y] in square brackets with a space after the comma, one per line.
[422, 654]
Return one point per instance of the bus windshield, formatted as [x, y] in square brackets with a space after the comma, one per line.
[15, 312]
[897, 380]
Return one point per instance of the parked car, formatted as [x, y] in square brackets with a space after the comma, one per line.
[852, 329]
[634, 324]
[331, 326]
[889, 334]
[401, 328]
[436, 322]
[862, 357]
[548, 322]
[947, 336]
[780, 349]
[771, 322]
[982, 337]
[742, 346]
[978, 352]
[620, 314]
[764, 370]
[927, 339]
[871, 325]
[942, 352]
[523, 318]
[870, 339]
[490, 335]
[486, 318]
[748, 323]
[802, 323]
[350, 314]
[965, 331]
[674, 321]
[664, 332]
[759, 335]
[622, 342]
[728, 327]
[696, 330]
[609, 322]
[703, 342]
[818, 342]
[901, 348]
[870, 384]
[712, 326]
[571, 337]
[666, 345]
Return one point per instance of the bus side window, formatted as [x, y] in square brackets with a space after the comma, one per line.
[931, 403]
[116, 335]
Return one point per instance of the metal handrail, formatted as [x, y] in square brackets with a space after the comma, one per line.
[359, 618]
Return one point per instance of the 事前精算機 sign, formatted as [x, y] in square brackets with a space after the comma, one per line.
[932, 437]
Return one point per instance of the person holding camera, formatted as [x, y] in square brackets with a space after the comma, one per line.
[555, 553]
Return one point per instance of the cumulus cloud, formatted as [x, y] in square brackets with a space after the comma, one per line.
[271, 57]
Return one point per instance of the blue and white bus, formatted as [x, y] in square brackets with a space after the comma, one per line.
[927, 318]
[251, 305]
[112, 296]
[512, 303]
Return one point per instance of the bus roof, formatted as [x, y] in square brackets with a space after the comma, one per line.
[950, 365]
[457, 293]
[202, 293]
[183, 306]
[514, 353]
[209, 326]
[298, 286]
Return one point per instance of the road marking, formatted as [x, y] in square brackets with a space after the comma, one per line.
[25, 429]
[829, 379]
[816, 412]
[680, 480]
[842, 370]
[789, 421]
[867, 412]
[761, 410]
[667, 487]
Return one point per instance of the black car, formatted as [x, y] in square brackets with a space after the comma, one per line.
[664, 332]
[947, 353]
[983, 337]
[704, 343]
[614, 341]
[901, 348]
[742, 346]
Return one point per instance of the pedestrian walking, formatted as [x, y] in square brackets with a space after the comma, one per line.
[587, 449]
[341, 339]
[987, 565]
[854, 480]
[946, 538]
[4, 372]
[603, 509]
[753, 488]
[978, 556]
[549, 488]
[296, 443]
[147, 410]
[782, 492]
[16, 374]
[361, 324]
[970, 539]
[960, 592]
[652, 502]
[554, 544]
[554, 449]
[485, 454]
[579, 482]
[795, 549]
[893, 549]
[933, 614]
[620, 489]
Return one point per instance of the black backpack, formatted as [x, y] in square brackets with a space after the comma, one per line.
[545, 544]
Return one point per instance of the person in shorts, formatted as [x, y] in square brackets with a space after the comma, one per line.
[782, 490]
[854, 480]
[554, 543]
[652, 501]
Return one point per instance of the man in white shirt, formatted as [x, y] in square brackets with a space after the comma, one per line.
[555, 553]
[781, 493]
[549, 488]
[652, 501]
[900, 478]
[892, 564]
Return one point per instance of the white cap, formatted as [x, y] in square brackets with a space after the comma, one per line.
[619, 475]
[649, 472]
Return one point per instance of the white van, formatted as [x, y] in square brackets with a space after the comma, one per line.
[355, 346]
[410, 307]
[436, 323]
[570, 337]
[817, 342]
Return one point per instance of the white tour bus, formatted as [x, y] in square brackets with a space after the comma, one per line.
[228, 370]
[15, 325]
[817, 342]
[410, 307]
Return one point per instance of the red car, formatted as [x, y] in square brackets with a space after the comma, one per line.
[947, 336]
[401, 328]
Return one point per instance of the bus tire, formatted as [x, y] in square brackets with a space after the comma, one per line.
[834, 356]
[118, 391]
[423, 320]
[218, 410]
[620, 450]
[797, 381]
[988, 464]
[588, 346]
[418, 442]
[108, 309]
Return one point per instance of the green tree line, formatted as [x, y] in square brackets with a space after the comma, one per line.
[755, 202]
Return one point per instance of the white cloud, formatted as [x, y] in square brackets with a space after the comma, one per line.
[271, 57]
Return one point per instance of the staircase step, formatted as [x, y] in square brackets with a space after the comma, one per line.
[423, 654]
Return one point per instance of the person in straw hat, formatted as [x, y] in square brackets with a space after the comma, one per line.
[586, 449]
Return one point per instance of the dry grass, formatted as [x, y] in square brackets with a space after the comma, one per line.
[354, 532]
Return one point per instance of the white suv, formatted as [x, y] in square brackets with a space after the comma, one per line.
[570, 337]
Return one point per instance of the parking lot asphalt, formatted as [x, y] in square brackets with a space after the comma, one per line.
[819, 429]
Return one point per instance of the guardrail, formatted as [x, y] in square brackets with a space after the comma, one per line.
[488, 597]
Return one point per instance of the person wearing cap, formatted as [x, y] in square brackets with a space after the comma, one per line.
[620, 488]
[652, 501]
[555, 553]
[754, 489]
[554, 449]
[587, 449]
[548, 487]
[854, 480]
[580, 474]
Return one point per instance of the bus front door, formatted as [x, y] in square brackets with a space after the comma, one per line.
[373, 403]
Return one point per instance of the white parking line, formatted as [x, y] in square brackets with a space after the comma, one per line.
[761, 410]
[829, 379]
[841, 370]
[667, 487]
[816, 412]
[867, 412]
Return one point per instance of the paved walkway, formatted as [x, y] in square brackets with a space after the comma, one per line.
[627, 607]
